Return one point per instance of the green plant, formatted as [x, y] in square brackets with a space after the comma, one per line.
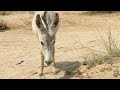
[110, 44]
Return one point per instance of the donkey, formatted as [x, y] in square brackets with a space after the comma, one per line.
[45, 25]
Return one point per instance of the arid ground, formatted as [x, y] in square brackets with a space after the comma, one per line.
[78, 41]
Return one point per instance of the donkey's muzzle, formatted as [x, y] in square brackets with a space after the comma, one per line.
[48, 62]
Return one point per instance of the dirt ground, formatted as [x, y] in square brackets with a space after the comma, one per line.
[20, 53]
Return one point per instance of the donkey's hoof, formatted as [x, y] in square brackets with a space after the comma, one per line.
[55, 71]
[40, 74]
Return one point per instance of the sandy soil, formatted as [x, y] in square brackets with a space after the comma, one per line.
[20, 53]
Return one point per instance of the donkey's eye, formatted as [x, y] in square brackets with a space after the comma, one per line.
[54, 42]
[42, 43]
[55, 23]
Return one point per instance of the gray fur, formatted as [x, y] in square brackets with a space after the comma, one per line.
[45, 25]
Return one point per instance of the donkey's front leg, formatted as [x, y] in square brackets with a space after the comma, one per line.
[42, 65]
[55, 70]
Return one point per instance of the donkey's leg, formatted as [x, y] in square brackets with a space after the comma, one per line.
[42, 57]
[42, 64]
[55, 70]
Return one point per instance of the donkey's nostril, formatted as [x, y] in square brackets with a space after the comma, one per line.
[48, 62]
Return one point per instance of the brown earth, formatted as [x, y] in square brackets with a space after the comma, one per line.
[77, 38]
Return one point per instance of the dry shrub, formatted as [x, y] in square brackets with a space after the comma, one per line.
[3, 26]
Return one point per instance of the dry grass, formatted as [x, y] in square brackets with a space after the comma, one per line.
[97, 58]
[11, 12]
[98, 12]
[116, 73]
[5, 12]
[110, 44]
[16, 19]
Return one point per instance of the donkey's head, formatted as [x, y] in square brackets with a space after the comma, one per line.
[48, 25]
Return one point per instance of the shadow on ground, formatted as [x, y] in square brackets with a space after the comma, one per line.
[68, 67]
[98, 12]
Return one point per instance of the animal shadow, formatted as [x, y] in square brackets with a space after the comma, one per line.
[68, 67]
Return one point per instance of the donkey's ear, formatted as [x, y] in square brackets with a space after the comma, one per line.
[44, 18]
[56, 23]
[56, 20]
[39, 22]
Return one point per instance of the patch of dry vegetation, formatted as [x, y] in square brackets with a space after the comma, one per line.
[15, 19]
[94, 59]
